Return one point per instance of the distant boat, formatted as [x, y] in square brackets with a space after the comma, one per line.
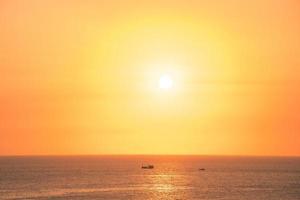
[147, 166]
[201, 169]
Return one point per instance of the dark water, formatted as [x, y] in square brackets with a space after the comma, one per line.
[174, 177]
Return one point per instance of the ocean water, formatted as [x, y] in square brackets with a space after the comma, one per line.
[173, 177]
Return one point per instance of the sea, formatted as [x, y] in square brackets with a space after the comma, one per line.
[172, 178]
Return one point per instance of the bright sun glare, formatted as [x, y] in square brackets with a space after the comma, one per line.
[165, 82]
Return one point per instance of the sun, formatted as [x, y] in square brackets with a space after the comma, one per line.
[165, 82]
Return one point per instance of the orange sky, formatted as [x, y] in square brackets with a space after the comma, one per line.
[80, 77]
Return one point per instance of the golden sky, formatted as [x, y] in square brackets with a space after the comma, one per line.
[81, 77]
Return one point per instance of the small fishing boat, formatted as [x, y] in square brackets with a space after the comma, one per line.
[147, 166]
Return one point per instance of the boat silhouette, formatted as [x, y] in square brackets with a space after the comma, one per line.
[147, 166]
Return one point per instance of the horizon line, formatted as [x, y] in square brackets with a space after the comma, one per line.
[195, 155]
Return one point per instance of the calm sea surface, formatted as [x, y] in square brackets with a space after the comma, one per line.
[174, 177]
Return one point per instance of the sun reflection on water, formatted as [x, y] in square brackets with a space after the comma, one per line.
[163, 183]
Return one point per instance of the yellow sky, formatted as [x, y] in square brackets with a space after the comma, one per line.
[81, 77]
